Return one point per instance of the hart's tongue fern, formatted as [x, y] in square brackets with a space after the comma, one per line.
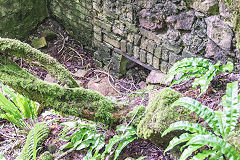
[35, 138]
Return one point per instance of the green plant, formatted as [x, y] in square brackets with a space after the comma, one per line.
[35, 138]
[2, 157]
[16, 108]
[221, 122]
[201, 69]
[81, 135]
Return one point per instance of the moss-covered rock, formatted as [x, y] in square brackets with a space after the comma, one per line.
[159, 115]
[19, 18]
[46, 156]
[136, 115]
[234, 138]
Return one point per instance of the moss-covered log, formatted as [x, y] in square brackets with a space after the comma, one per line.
[74, 101]
[11, 47]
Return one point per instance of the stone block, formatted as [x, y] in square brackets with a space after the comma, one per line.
[151, 46]
[119, 64]
[103, 25]
[130, 38]
[150, 35]
[144, 43]
[149, 58]
[165, 54]
[123, 46]
[158, 52]
[173, 58]
[137, 40]
[129, 49]
[143, 56]
[136, 52]
[113, 42]
[156, 62]
[118, 31]
[164, 67]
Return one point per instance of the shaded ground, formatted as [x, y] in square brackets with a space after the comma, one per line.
[71, 54]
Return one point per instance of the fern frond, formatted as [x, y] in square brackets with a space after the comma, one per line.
[202, 111]
[188, 151]
[231, 107]
[35, 138]
[178, 140]
[217, 144]
[187, 126]
[203, 155]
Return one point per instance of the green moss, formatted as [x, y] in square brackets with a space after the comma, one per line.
[22, 50]
[159, 115]
[74, 101]
[46, 156]
[136, 115]
[234, 138]
[19, 18]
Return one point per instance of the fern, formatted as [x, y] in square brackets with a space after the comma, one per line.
[81, 135]
[16, 107]
[201, 69]
[221, 122]
[35, 138]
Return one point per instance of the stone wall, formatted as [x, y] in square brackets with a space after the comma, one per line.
[156, 34]
[77, 17]
[18, 18]
[152, 33]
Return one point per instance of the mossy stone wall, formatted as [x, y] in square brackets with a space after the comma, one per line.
[19, 17]
[77, 17]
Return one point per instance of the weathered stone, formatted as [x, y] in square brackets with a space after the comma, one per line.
[158, 52]
[156, 62]
[119, 64]
[136, 52]
[50, 79]
[39, 43]
[175, 49]
[118, 31]
[137, 39]
[130, 38]
[143, 56]
[164, 67]
[150, 35]
[105, 26]
[224, 10]
[157, 77]
[102, 86]
[207, 6]
[123, 46]
[185, 20]
[80, 73]
[151, 46]
[213, 51]
[219, 32]
[165, 54]
[144, 43]
[159, 115]
[173, 58]
[149, 58]
[49, 35]
[129, 49]
[111, 41]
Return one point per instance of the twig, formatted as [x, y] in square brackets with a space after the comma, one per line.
[63, 45]
[109, 76]
[77, 54]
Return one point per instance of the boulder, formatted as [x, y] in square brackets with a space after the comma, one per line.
[208, 6]
[159, 115]
[157, 77]
[219, 32]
